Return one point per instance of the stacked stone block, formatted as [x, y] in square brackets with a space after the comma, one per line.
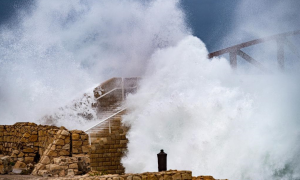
[66, 166]
[22, 142]
[165, 175]
[80, 142]
[65, 143]
[108, 148]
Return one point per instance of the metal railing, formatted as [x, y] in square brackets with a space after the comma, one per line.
[127, 86]
[280, 39]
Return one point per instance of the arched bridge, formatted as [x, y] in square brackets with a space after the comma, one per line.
[280, 39]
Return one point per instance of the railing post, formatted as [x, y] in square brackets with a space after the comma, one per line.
[280, 53]
[109, 126]
[90, 141]
[233, 59]
[123, 93]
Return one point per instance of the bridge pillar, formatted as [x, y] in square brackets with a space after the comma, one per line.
[280, 53]
[233, 59]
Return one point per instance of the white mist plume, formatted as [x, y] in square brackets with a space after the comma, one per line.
[211, 120]
[60, 48]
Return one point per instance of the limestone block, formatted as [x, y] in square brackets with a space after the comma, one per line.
[85, 149]
[45, 160]
[67, 140]
[26, 135]
[33, 138]
[64, 153]
[152, 177]
[52, 153]
[21, 159]
[28, 150]
[57, 161]
[67, 146]
[19, 165]
[71, 173]
[136, 178]
[60, 142]
[31, 154]
[75, 150]
[21, 154]
[65, 133]
[77, 143]
[176, 176]
[53, 147]
[77, 131]
[186, 176]
[84, 137]
[42, 172]
[145, 177]
[58, 132]
[75, 136]
[73, 166]
[40, 166]
[62, 173]
[53, 167]
[13, 155]
[16, 152]
[29, 159]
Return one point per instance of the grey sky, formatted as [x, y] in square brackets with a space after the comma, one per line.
[210, 20]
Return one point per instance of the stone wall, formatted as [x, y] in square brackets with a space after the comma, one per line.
[30, 143]
[108, 148]
[80, 142]
[66, 166]
[25, 141]
[65, 143]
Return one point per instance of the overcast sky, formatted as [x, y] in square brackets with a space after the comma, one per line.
[210, 20]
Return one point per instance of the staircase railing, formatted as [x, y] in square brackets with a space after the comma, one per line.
[89, 130]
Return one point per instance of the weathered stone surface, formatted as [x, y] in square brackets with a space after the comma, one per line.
[64, 152]
[65, 133]
[85, 149]
[71, 173]
[57, 161]
[28, 150]
[67, 146]
[42, 172]
[21, 154]
[33, 138]
[176, 176]
[62, 173]
[152, 177]
[186, 176]
[60, 142]
[73, 166]
[28, 159]
[45, 160]
[53, 167]
[26, 135]
[16, 152]
[77, 143]
[75, 136]
[19, 165]
[136, 178]
[40, 166]
[52, 153]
